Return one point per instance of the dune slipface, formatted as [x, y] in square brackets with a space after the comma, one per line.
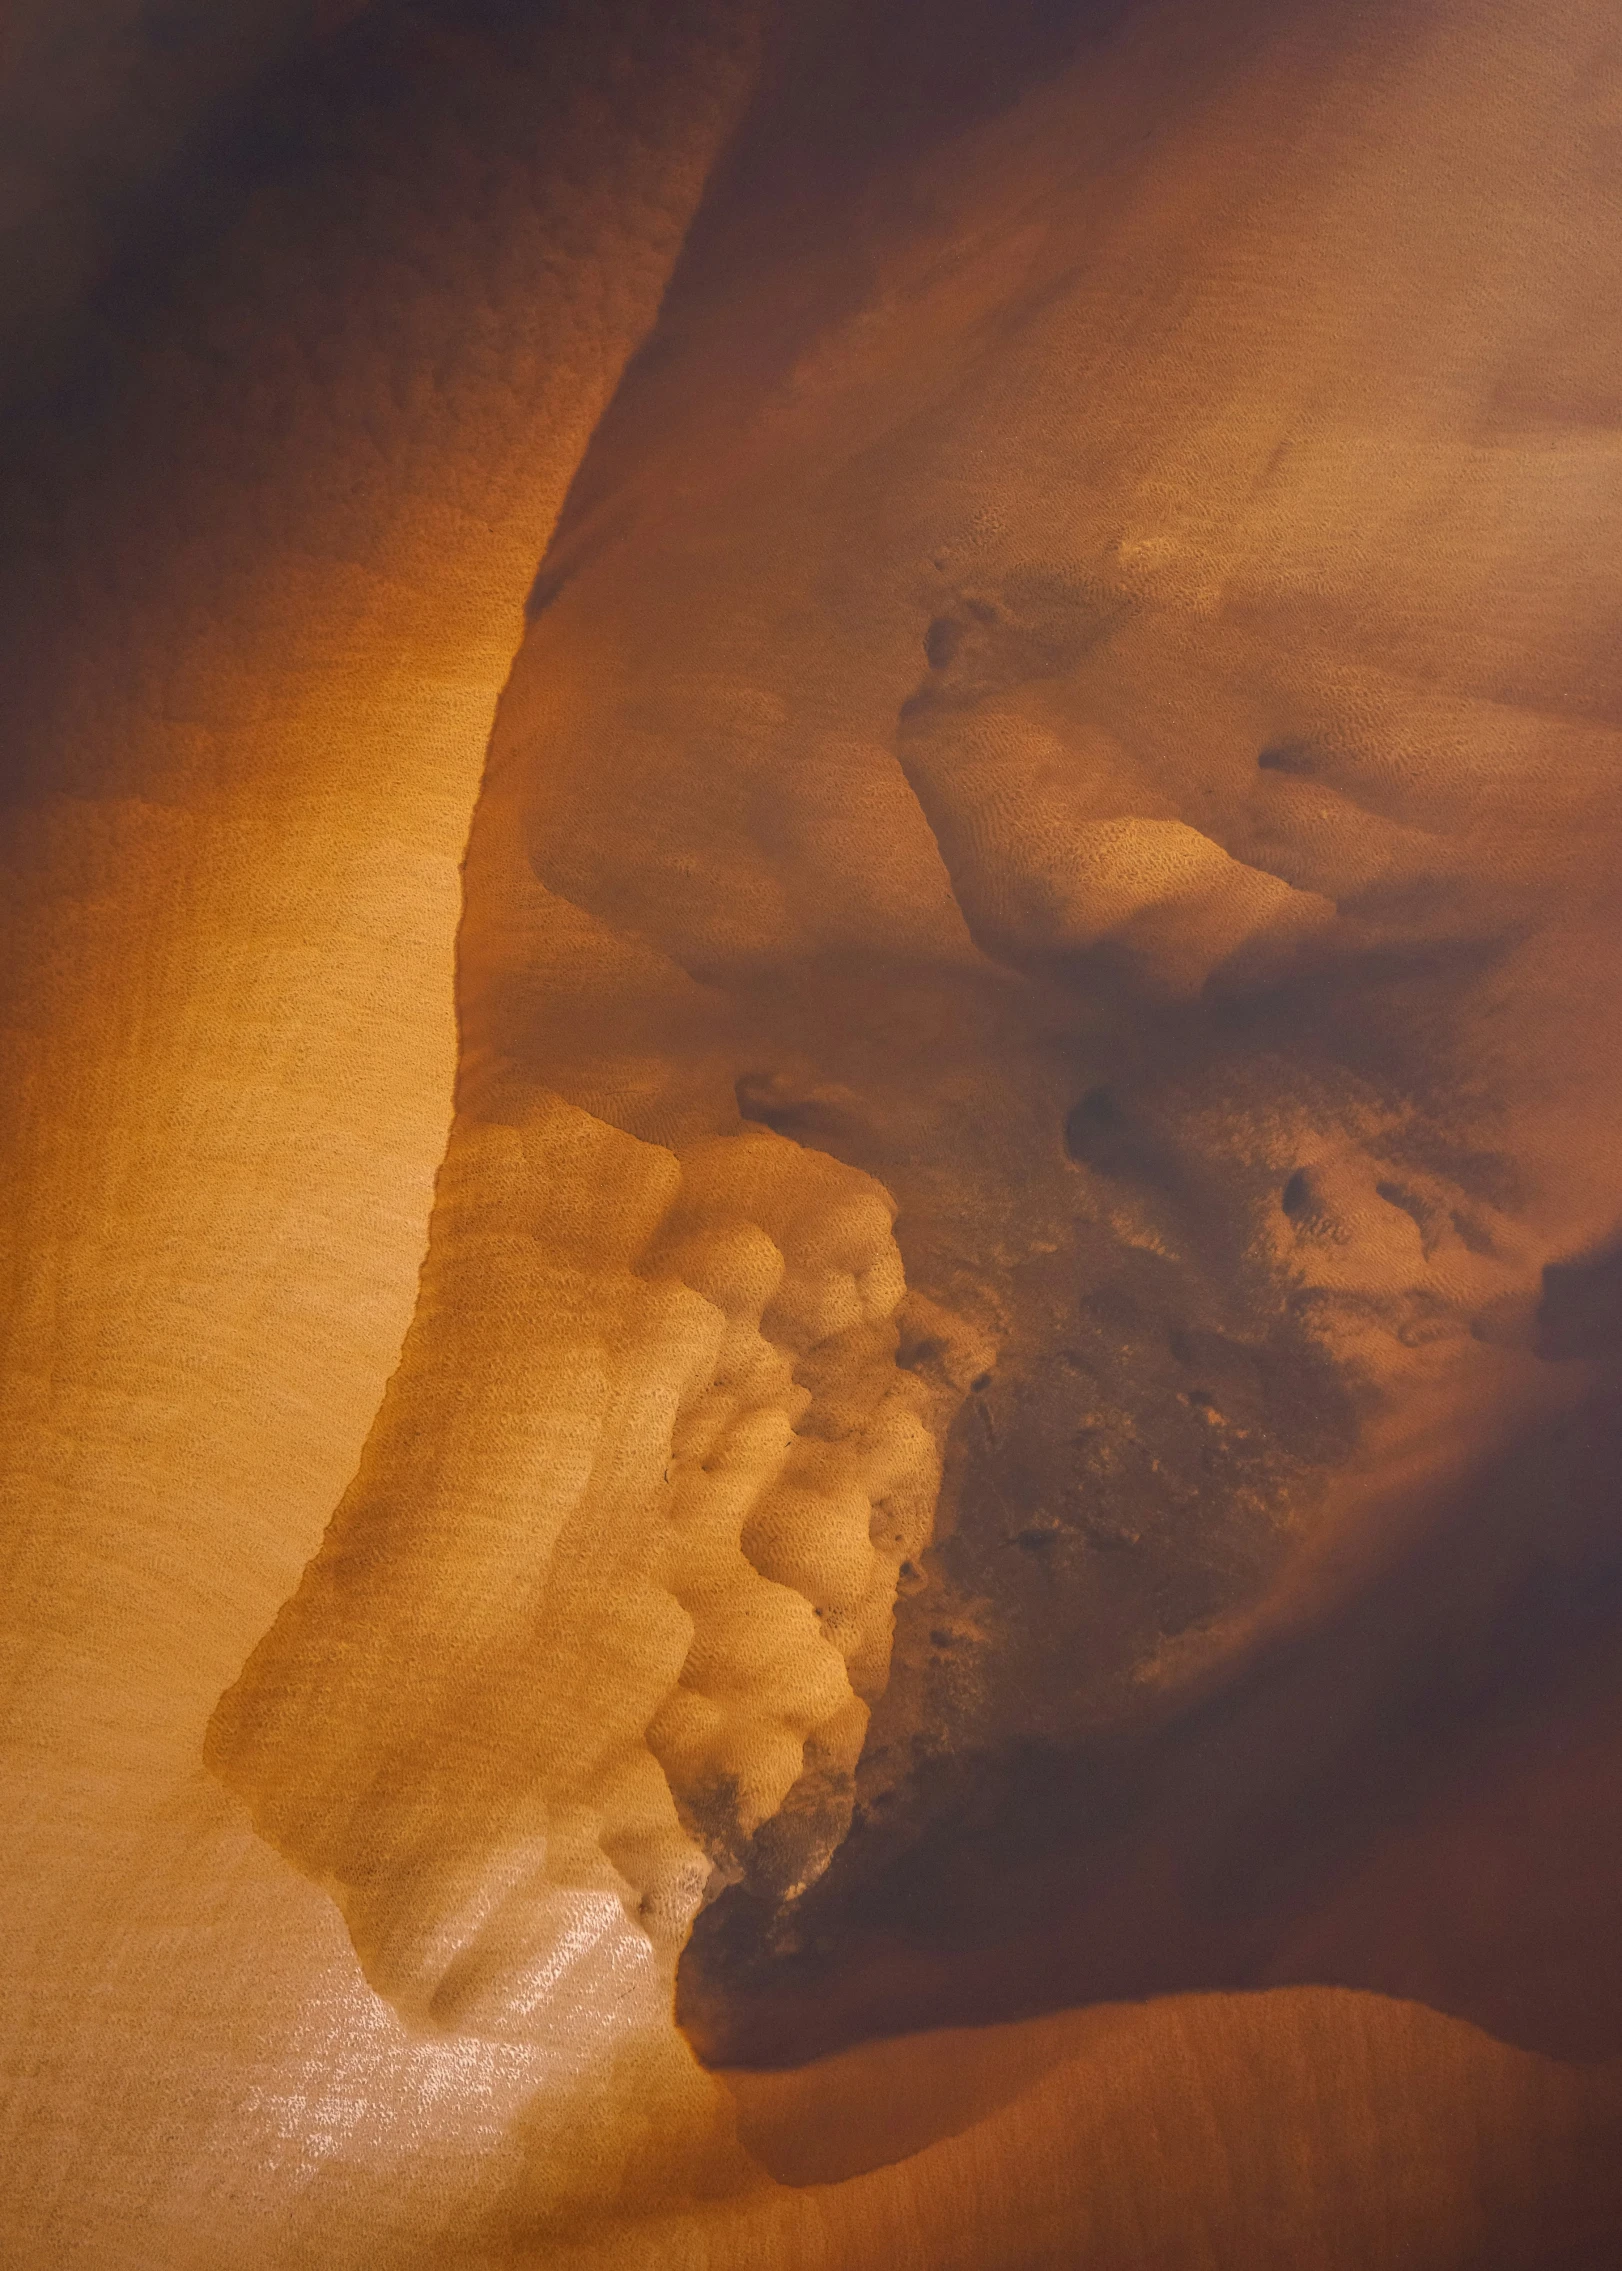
[978, 1624]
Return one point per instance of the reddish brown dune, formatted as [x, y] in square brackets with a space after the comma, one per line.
[1000, 1494]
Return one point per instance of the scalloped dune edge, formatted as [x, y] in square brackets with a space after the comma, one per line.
[598, 1625]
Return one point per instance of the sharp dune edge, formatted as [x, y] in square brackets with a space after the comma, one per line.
[1000, 1355]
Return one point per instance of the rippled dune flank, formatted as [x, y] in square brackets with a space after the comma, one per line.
[811, 1408]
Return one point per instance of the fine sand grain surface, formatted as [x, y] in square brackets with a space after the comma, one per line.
[997, 1488]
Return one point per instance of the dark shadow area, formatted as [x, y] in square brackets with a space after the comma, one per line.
[310, 219]
[1420, 1794]
[852, 99]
